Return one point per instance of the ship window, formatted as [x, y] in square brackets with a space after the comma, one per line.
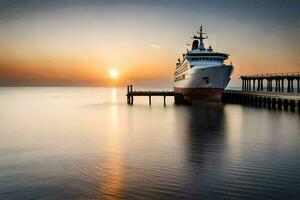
[206, 79]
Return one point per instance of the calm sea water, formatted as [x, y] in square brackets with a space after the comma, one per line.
[87, 143]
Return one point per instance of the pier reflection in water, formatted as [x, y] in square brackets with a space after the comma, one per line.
[86, 143]
[234, 152]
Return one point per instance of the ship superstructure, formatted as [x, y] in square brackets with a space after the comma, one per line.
[201, 72]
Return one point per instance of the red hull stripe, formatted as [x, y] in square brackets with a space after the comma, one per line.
[201, 93]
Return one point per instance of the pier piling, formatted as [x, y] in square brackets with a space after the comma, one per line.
[279, 104]
[287, 101]
[149, 100]
[293, 105]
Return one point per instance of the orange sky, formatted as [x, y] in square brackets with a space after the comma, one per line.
[63, 44]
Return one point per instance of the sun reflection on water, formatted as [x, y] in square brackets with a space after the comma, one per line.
[114, 95]
[112, 185]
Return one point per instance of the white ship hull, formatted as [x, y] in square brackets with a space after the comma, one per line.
[205, 82]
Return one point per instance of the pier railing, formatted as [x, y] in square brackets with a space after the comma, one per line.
[268, 75]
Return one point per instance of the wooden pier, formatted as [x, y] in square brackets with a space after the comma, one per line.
[275, 82]
[276, 97]
[178, 97]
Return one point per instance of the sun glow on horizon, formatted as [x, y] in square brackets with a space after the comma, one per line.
[105, 44]
[114, 73]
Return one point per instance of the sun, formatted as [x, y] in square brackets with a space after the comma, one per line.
[113, 73]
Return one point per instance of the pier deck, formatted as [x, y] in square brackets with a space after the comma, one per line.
[178, 97]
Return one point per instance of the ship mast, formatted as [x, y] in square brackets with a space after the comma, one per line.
[201, 38]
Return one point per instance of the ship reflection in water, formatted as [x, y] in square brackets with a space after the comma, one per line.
[87, 143]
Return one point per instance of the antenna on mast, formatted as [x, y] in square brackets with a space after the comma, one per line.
[201, 38]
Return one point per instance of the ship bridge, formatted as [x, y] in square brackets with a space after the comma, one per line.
[206, 56]
[199, 52]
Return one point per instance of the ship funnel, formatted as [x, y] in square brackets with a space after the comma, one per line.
[195, 44]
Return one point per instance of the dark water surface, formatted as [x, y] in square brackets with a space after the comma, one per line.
[87, 143]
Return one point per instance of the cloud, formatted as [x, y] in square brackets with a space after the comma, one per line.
[154, 46]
